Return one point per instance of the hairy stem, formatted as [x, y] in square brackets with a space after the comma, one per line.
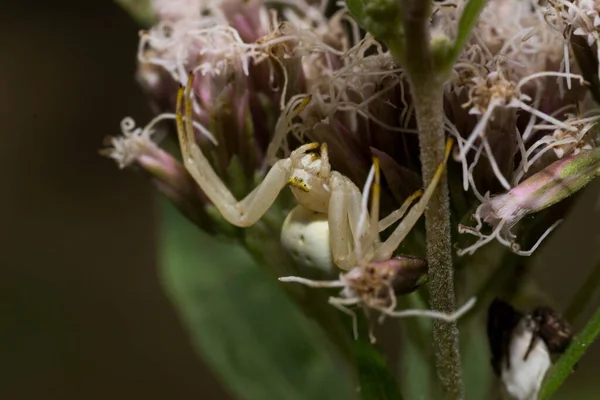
[427, 90]
[428, 104]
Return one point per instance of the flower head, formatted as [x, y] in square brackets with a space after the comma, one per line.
[268, 79]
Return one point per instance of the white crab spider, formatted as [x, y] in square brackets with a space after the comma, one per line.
[374, 282]
[314, 185]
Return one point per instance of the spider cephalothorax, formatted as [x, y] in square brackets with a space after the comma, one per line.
[309, 176]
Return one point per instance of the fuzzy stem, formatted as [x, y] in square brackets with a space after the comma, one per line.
[428, 100]
[427, 91]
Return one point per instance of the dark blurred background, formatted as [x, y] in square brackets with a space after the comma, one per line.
[83, 315]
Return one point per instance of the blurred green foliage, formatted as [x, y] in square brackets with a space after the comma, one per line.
[242, 323]
[140, 10]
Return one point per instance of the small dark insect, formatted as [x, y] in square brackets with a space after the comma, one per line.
[545, 324]
[552, 328]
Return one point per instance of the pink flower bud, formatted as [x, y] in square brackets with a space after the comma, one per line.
[543, 189]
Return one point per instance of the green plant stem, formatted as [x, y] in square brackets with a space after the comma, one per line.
[428, 99]
[427, 91]
[416, 14]
[564, 366]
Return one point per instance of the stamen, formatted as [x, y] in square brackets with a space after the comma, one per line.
[479, 128]
[494, 164]
[544, 116]
[485, 239]
[537, 243]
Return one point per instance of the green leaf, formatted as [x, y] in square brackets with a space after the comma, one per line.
[468, 19]
[416, 370]
[357, 9]
[376, 381]
[382, 19]
[140, 10]
[477, 370]
[416, 361]
[242, 323]
[564, 366]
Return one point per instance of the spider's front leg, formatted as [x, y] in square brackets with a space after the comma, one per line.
[356, 234]
[245, 212]
[386, 249]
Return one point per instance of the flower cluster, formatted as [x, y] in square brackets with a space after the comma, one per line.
[531, 109]
[266, 78]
